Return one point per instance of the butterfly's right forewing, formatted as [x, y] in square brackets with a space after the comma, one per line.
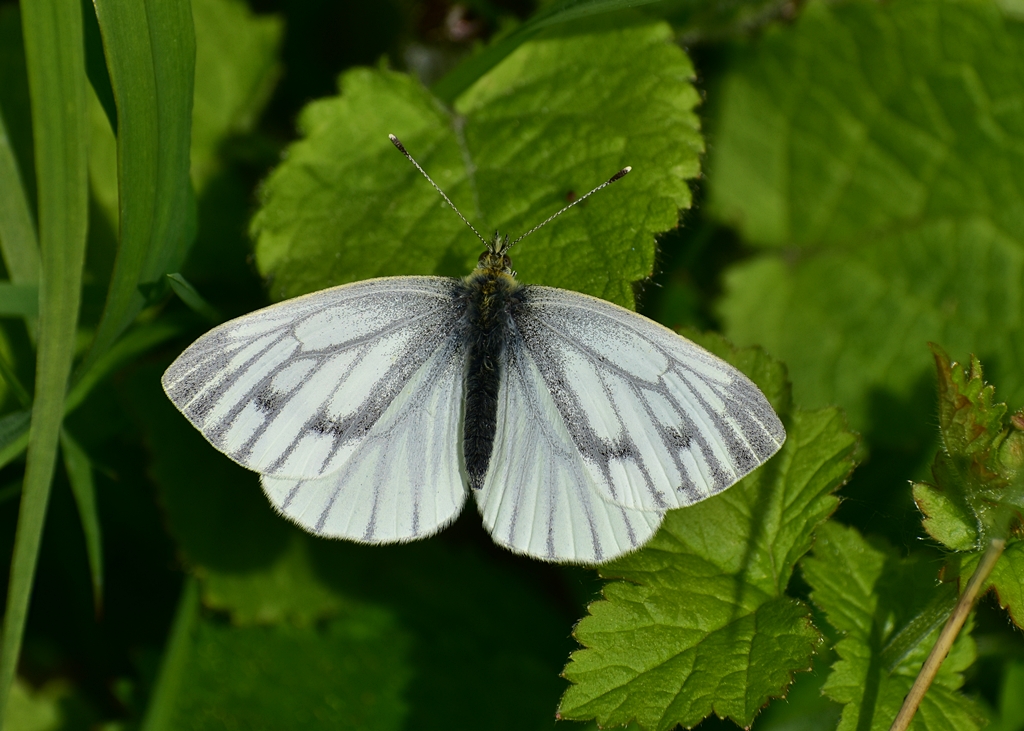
[291, 391]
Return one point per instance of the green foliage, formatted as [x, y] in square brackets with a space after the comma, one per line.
[978, 471]
[888, 611]
[511, 152]
[876, 143]
[349, 673]
[862, 197]
[698, 621]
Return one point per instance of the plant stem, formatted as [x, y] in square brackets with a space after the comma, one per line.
[948, 635]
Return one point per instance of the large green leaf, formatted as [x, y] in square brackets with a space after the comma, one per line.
[699, 621]
[345, 205]
[889, 612]
[878, 141]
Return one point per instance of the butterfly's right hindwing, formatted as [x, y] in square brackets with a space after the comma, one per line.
[403, 480]
[291, 391]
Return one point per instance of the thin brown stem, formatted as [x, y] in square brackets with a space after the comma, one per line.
[948, 635]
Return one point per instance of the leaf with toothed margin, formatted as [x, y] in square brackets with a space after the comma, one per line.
[698, 621]
[518, 145]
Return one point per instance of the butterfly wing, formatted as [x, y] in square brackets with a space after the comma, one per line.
[538, 497]
[347, 402]
[659, 422]
[403, 480]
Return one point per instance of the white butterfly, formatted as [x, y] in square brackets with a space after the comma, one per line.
[370, 410]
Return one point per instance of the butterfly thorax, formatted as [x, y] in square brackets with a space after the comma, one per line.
[492, 295]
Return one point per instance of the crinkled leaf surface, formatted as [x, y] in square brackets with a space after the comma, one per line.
[697, 622]
[280, 588]
[518, 145]
[889, 611]
[882, 142]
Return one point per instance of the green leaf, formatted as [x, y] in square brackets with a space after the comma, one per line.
[195, 302]
[1007, 578]
[469, 72]
[53, 707]
[349, 673]
[79, 470]
[878, 140]
[889, 611]
[233, 79]
[1011, 699]
[978, 476]
[698, 621]
[15, 107]
[345, 205]
[56, 72]
[150, 54]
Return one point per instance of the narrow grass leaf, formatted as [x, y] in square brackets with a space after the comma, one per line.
[79, 471]
[18, 242]
[57, 83]
[150, 51]
[19, 300]
[175, 660]
[192, 299]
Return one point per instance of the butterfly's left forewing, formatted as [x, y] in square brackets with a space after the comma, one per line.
[658, 422]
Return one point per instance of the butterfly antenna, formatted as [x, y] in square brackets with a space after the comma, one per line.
[401, 148]
[605, 184]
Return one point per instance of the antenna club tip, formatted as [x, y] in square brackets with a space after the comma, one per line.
[621, 174]
[396, 142]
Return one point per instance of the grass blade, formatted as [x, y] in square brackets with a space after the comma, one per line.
[13, 435]
[14, 426]
[150, 52]
[161, 704]
[193, 300]
[79, 469]
[55, 57]
[20, 300]
[18, 241]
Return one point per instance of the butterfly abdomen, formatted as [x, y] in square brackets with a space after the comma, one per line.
[490, 298]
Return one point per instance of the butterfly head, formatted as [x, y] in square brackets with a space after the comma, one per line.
[495, 257]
